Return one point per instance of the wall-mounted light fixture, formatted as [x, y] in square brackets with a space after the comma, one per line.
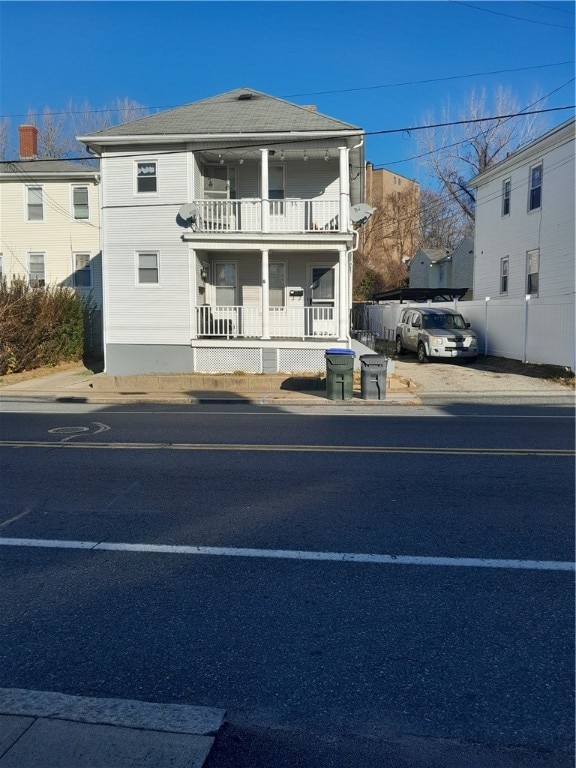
[327, 157]
[305, 156]
[220, 159]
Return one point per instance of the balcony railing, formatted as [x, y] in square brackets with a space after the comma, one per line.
[283, 322]
[245, 215]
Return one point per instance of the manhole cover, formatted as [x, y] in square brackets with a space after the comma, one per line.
[68, 430]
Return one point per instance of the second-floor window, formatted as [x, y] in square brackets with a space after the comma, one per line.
[147, 176]
[80, 202]
[535, 192]
[504, 274]
[36, 270]
[506, 190]
[34, 203]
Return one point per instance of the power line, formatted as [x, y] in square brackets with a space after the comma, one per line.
[286, 142]
[550, 7]
[508, 16]
[431, 80]
[312, 93]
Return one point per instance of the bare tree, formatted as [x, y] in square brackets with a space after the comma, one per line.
[455, 154]
[4, 139]
[442, 222]
[387, 242]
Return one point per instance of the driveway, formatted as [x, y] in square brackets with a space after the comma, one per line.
[488, 375]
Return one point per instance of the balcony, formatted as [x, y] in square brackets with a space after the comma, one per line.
[245, 322]
[290, 215]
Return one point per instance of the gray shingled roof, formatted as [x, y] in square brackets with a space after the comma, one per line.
[42, 167]
[230, 113]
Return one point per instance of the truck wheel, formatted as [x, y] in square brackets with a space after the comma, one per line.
[422, 356]
[399, 348]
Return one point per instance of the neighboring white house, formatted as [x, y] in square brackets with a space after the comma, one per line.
[441, 268]
[50, 221]
[525, 246]
[227, 240]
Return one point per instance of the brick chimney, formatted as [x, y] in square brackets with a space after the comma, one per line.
[28, 135]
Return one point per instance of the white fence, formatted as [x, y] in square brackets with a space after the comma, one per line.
[532, 330]
[284, 322]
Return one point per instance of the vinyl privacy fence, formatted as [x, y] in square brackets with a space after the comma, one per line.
[531, 329]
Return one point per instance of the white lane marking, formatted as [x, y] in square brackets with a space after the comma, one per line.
[16, 517]
[289, 554]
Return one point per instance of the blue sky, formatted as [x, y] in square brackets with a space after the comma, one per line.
[356, 61]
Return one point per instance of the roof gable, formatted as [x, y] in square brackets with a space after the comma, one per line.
[240, 111]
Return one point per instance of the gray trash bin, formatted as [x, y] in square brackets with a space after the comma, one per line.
[373, 377]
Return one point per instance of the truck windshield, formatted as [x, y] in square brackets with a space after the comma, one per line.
[444, 321]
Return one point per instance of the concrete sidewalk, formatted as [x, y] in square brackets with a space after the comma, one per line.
[39, 728]
[82, 386]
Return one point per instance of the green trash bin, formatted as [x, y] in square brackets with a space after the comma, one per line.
[339, 373]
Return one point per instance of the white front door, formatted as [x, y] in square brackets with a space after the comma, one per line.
[321, 295]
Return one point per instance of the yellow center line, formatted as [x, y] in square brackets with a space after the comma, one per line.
[453, 451]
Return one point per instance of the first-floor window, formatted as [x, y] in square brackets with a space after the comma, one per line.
[36, 270]
[225, 284]
[82, 271]
[533, 269]
[148, 272]
[504, 274]
[277, 283]
[322, 288]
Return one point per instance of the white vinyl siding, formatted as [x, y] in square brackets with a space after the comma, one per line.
[551, 230]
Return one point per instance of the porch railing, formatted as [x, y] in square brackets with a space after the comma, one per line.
[245, 322]
[245, 215]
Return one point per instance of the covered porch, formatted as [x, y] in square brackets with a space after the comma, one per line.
[271, 295]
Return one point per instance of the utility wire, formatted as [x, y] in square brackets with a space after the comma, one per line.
[286, 142]
[508, 16]
[312, 93]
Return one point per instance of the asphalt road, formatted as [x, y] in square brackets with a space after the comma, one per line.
[259, 568]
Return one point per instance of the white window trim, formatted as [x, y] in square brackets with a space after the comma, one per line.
[532, 250]
[145, 252]
[530, 187]
[87, 188]
[502, 261]
[146, 160]
[509, 198]
[324, 302]
[26, 216]
[36, 253]
[74, 269]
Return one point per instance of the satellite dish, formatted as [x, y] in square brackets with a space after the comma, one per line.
[360, 213]
[188, 212]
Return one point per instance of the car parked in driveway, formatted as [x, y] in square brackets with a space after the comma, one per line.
[435, 333]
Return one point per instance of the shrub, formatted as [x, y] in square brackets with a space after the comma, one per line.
[39, 326]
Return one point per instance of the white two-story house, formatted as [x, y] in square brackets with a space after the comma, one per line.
[227, 237]
[50, 221]
[524, 246]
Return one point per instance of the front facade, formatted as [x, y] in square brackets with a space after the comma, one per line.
[50, 221]
[226, 236]
[524, 238]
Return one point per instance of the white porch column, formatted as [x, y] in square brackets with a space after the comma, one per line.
[264, 191]
[342, 296]
[265, 297]
[344, 189]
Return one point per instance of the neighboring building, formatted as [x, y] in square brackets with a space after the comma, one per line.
[50, 221]
[524, 238]
[390, 238]
[227, 241]
[440, 268]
